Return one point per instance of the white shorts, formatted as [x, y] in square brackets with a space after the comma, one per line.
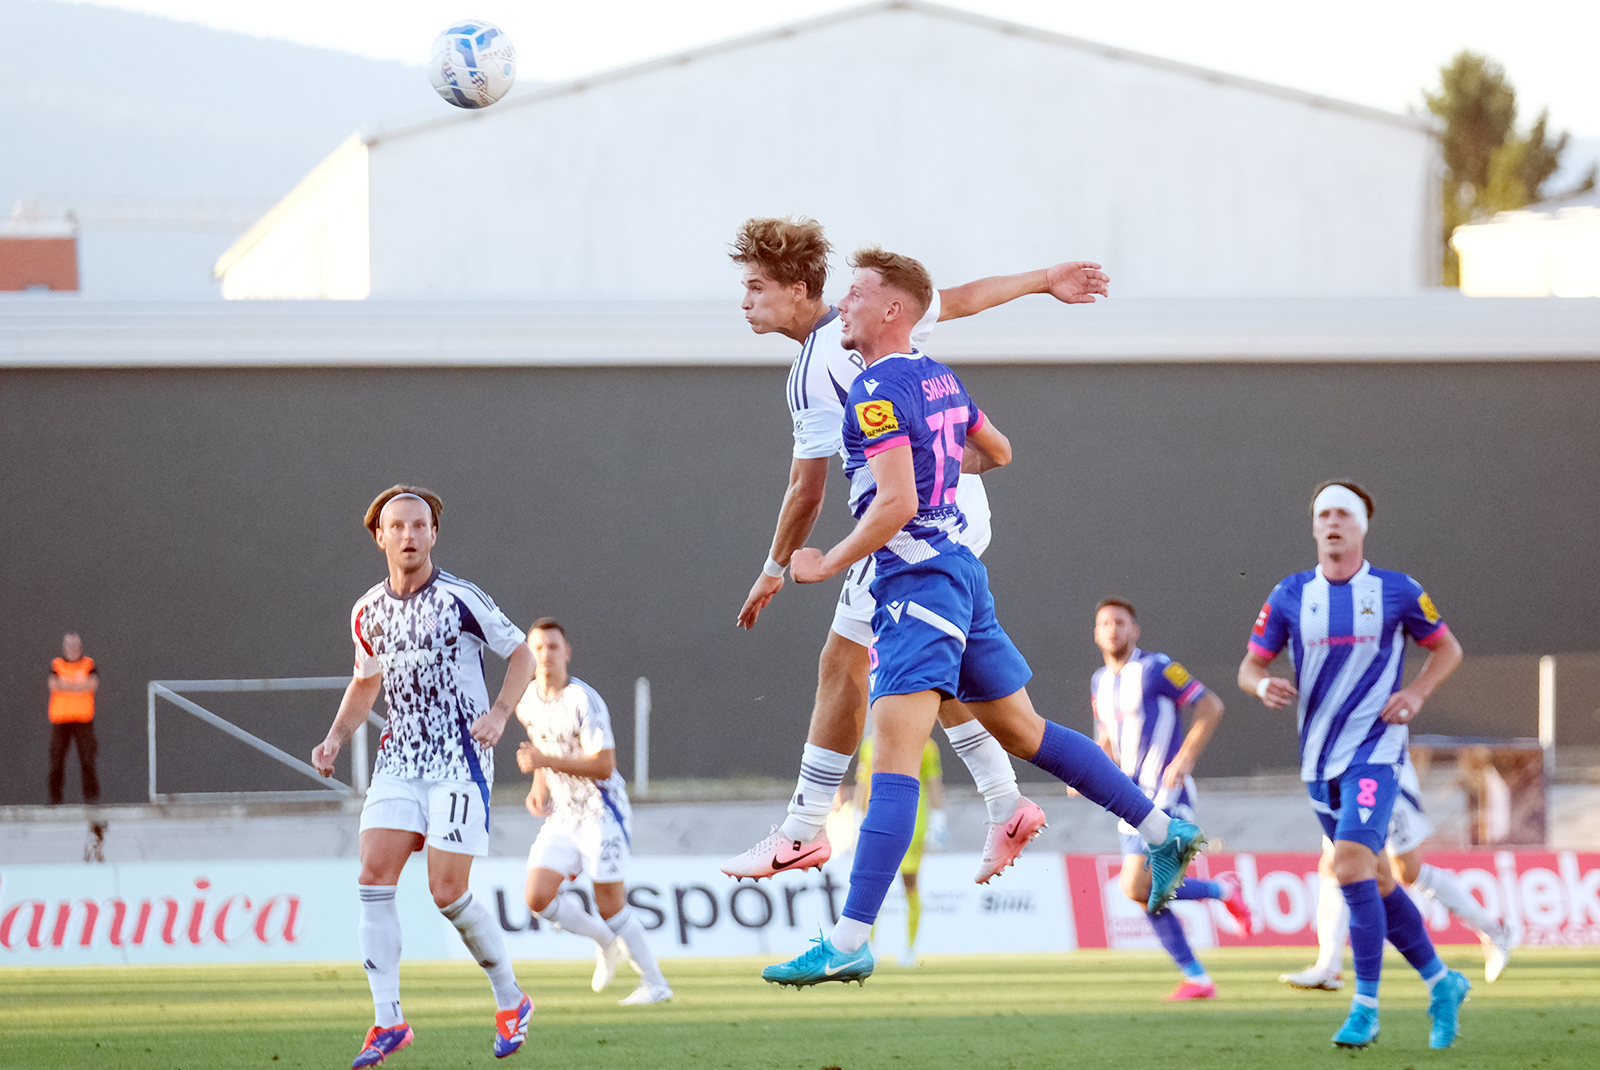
[852, 617]
[452, 814]
[1409, 827]
[600, 846]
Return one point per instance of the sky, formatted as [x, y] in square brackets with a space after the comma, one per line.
[1376, 52]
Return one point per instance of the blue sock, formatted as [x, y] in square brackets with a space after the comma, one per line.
[1409, 935]
[881, 846]
[1077, 760]
[1195, 888]
[1170, 931]
[1368, 925]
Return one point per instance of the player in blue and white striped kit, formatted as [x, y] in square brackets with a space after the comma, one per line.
[1139, 697]
[1345, 624]
[908, 424]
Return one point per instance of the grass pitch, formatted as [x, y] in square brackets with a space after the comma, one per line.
[1081, 1010]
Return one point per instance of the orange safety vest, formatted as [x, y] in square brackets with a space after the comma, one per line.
[67, 707]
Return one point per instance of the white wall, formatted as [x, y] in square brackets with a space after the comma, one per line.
[976, 150]
[1531, 254]
[314, 244]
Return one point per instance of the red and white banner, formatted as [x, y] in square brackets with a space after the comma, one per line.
[1548, 898]
[171, 912]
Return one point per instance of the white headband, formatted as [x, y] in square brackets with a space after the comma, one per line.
[1339, 496]
[408, 494]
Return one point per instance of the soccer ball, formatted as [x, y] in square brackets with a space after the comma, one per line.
[473, 64]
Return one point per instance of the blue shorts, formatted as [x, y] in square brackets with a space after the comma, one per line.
[935, 630]
[1357, 806]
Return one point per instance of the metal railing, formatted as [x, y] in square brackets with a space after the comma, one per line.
[171, 690]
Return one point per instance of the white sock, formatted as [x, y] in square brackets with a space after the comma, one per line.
[380, 951]
[1154, 827]
[625, 923]
[820, 773]
[1441, 886]
[849, 934]
[481, 933]
[564, 913]
[1333, 926]
[990, 766]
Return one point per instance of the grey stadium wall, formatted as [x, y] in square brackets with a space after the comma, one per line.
[206, 522]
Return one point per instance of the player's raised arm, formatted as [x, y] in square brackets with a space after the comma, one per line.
[519, 673]
[1074, 283]
[802, 504]
[892, 508]
[359, 696]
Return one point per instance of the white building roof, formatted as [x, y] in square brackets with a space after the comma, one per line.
[1443, 326]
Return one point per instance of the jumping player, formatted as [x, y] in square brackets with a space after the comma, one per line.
[929, 825]
[419, 637]
[1346, 624]
[935, 636]
[1409, 829]
[785, 264]
[589, 824]
[1137, 699]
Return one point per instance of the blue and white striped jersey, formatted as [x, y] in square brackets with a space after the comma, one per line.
[1347, 642]
[1137, 709]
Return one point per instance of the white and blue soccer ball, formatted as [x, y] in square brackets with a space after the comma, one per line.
[473, 63]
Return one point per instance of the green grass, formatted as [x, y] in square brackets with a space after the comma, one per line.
[1082, 1010]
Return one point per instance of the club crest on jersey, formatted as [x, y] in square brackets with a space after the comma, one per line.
[1177, 674]
[1368, 606]
[1426, 605]
[876, 418]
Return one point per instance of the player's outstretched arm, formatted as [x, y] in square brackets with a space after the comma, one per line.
[359, 696]
[1076, 282]
[986, 448]
[893, 506]
[520, 668]
[1443, 657]
[1207, 712]
[1277, 692]
[802, 504]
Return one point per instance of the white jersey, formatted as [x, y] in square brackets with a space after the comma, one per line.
[575, 724]
[429, 648]
[819, 382]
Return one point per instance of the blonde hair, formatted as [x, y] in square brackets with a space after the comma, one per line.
[788, 250]
[375, 510]
[900, 273]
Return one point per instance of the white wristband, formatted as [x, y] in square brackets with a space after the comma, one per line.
[772, 568]
[1261, 688]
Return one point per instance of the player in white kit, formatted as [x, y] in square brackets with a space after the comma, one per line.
[419, 638]
[785, 265]
[588, 823]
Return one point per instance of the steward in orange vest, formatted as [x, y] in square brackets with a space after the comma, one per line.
[73, 682]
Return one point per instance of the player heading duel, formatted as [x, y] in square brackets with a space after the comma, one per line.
[1345, 624]
[419, 637]
[785, 264]
[908, 427]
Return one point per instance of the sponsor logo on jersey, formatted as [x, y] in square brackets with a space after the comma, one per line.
[1261, 619]
[872, 384]
[876, 418]
[1426, 605]
[1177, 674]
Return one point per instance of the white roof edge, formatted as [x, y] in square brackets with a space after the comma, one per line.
[302, 191]
[377, 132]
[294, 334]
